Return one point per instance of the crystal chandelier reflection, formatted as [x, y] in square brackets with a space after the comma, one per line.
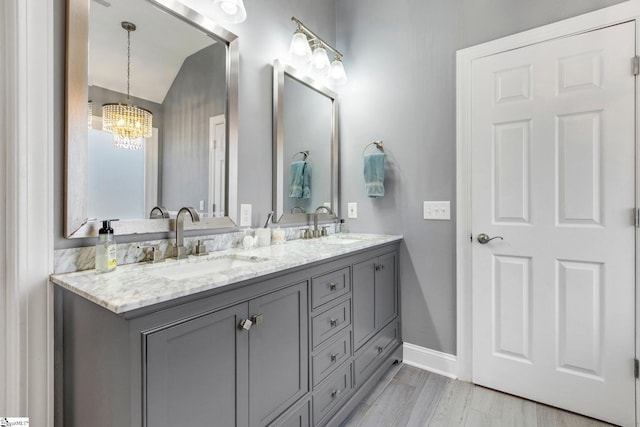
[128, 124]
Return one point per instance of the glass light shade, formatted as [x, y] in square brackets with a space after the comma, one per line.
[299, 48]
[337, 73]
[231, 11]
[320, 60]
[128, 124]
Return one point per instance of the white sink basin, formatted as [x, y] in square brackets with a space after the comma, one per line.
[342, 240]
[188, 270]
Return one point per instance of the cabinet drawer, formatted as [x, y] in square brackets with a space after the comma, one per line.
[332, 392]
[329, 286]
[330, 322]
[330, 356]
[369, 358]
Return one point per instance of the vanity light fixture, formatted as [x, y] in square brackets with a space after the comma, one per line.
[299, 49]
[231, 11]
[300, 52]
[128, 124]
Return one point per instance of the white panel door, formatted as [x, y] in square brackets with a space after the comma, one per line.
[217, 166]
[553, 165]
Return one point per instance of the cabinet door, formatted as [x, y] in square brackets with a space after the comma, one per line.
[196, 372]
[386, 290]
[364, 320]
[278, 353]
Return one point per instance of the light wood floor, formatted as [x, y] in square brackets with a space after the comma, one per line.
[411, 397]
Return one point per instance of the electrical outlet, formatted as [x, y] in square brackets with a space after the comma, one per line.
[327, 204]
[201, 205]
[245, 215]
[437, 210]
[352, 210]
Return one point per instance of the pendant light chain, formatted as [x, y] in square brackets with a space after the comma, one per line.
[128, 61]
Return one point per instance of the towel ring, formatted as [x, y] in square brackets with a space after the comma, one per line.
[304, 153]
[379, 145]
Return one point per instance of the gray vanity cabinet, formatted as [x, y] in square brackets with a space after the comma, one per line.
[320, 338]
[266, 364]
[375, 295]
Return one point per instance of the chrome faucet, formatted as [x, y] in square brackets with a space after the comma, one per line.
[316, 231]
[181, 251]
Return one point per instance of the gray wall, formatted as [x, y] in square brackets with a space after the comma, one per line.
[197, 94]
[401, 66]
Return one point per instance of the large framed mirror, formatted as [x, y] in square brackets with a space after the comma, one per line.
[182, 68]
[305, 145]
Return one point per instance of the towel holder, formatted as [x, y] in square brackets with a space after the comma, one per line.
[304, 153]
[379, 145]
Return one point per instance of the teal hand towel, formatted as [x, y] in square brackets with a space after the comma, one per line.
[299, 180]
[374, 174]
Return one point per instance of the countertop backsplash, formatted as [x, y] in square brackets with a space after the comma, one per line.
[79, 259]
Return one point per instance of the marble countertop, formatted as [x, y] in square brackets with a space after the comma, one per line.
[134, 286]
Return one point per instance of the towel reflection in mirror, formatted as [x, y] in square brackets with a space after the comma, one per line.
[299, 180]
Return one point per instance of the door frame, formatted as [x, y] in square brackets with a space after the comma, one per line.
[623, 12]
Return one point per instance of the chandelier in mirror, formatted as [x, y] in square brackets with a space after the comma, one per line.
[128, 123]
[309, 50]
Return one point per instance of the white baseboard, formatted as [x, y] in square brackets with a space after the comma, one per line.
[430, 360]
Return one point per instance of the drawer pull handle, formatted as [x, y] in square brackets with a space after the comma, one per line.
[335, 393]
[334, 356]
[334, 322]
[333, 286]
[380, 349]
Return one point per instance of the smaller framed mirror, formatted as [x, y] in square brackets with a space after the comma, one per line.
[305, 146]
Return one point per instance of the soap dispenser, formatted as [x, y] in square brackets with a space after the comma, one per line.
[106, 250]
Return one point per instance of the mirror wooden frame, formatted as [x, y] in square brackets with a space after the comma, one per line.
[76, 224]
[280, 68]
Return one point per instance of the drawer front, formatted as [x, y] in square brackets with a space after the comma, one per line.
[332, 392]
[369, 358]
[330, 356]
[331, 322]
[329, 286]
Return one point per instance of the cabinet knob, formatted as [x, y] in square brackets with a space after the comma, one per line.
[257, 319]
[334, 356]
[380, 349]
[333, 286]
[245, 324]
[335, 393]
[334, 322]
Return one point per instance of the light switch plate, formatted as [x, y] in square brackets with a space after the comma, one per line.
[437, 210]
[352, 210]
[245, 215]
[201, 205]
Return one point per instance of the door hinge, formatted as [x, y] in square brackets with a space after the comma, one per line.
[636, 214]
[636, 65]
[636, 368]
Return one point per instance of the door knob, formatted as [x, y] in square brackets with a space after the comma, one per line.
[484, 239]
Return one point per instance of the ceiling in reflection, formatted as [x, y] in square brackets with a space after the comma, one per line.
[159, 46]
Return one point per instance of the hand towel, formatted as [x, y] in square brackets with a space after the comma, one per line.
[374, 174]
[299, 180]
